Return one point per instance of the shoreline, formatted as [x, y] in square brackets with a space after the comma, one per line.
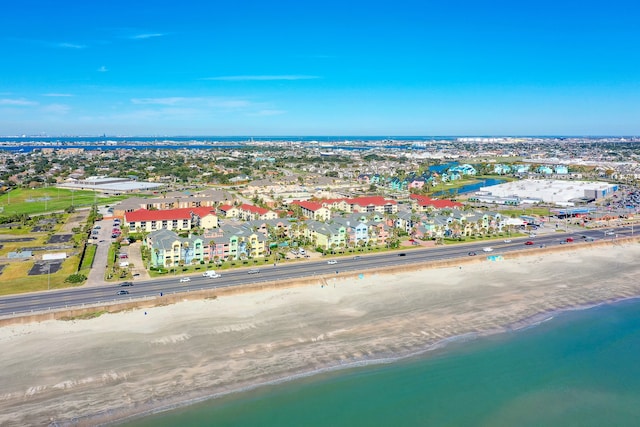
[128, 364]
[523, 324]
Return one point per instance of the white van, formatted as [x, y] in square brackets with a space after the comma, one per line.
[210, 273]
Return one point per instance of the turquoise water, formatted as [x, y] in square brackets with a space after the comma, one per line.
[581, 368]
[468, 188]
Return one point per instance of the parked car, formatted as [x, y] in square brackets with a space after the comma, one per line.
[528, 243]
[122, 292]
[185, 279]
[332, 261]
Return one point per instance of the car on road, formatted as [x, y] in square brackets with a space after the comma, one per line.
[472, 254]
[185, 279]
[609, 233]
[253, 271]
[569, 239]
[356, 257]
[402, 254]
[488, 249]
[528, 243]
[124, 284]
[507, 241]
[122, 292]
[332, 261]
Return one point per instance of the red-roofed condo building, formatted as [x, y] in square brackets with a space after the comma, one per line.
[362, 205]
[313, 210]
[423, 203]
[171, 219]
[251, 213]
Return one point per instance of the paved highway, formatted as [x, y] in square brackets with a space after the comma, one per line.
[75, 297]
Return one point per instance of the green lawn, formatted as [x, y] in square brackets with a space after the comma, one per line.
[39, 200]
[87, 262]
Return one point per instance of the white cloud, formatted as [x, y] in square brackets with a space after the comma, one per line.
[102, 69]
[65, 45]
[57, 94]
[17, 102]
[159, 101]
[194, 101]
[262, 78]
[146, 36]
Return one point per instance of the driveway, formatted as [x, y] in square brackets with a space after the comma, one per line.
[135, 258]
[96, 274]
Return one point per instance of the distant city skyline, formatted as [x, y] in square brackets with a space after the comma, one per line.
[320, 68]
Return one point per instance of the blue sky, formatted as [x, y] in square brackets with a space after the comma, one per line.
[256, 68]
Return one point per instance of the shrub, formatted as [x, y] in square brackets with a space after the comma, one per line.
[76, 278]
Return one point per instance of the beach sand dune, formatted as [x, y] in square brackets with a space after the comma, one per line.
[90, 371]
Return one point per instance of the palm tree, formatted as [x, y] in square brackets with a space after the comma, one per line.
[157, 261]
[185, 246]
[212, 248]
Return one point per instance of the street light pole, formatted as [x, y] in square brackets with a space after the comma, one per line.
[48, 277]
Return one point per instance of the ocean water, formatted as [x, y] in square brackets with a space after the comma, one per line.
[581, 368]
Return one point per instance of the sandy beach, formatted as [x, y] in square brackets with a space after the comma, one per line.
[86, 372]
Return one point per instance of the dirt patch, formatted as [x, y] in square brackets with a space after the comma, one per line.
[74, 221]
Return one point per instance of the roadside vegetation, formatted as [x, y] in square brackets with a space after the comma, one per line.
[85, 316]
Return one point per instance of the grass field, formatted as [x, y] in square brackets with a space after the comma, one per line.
[15, 279]
[39, 200]
[87, 262]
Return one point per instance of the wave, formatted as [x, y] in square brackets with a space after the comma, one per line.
[120, 416]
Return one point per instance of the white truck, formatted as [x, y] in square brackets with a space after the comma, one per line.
[210, 273]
